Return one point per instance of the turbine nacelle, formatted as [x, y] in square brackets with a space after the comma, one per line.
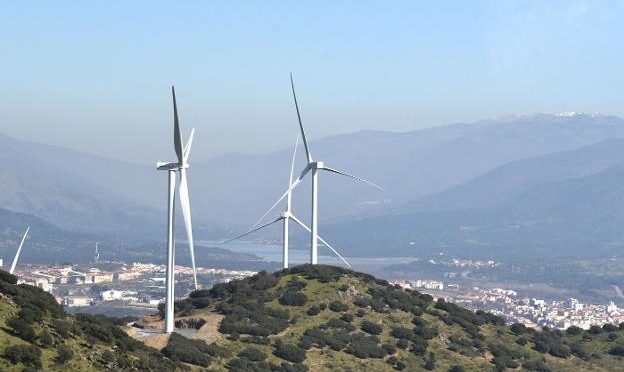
[161, 165]
[317, 165]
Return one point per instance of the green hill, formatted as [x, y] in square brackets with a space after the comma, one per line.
[308, 318]
[37, 335]
[326, 318]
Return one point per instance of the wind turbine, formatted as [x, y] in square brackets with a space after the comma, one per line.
[19, 250]
[180, 166]
[314, 167]
[285, 217]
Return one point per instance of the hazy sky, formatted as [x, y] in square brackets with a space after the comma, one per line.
[96, 76]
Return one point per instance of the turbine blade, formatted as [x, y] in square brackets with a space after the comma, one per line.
[177, 135]
[187, 149]
[292, 187]
[292, 171]
[305, 141]
[354, 177]
[321, 239]
[19, 249]
[185, 203]
[254, 230]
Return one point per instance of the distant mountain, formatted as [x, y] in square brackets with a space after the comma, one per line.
[510, 180]
[47, 182]
[581, 217]
[87, 193]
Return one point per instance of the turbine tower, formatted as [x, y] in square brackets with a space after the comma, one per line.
[285, 217]
[180, 166]
[19, 250]
[315, 167]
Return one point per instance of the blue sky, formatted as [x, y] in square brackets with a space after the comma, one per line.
[96, 76]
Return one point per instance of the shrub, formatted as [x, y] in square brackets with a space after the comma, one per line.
[252, 354]
[609, 327]
[64, 354]
[8, 278]
[595, 330]
[337, 306]
[456, 369]
[574, 331]
[46, 339]
[293, 299]
[430, 361]
[22, 329]
[289, 352]
[617, 351]
[402, 343]
[363, 347]
[389, 348]
[360, 313]
[518, 328]
[361, 302]
[370, 327]
[313, 310]
[192, 351]
[29, 355]
[347, 318]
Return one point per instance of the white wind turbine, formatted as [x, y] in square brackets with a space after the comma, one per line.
[285, 217]
[315, 167]
[180, 166]
[19, 250]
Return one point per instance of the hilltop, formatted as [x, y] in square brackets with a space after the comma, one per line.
[328, 318]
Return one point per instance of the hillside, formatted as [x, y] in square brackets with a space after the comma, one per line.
[36, 334]
[508, 181]
[322, 318]
[578, 217]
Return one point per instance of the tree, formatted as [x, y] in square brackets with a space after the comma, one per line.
[430, 362]
[289, 352]
[64, 354]
[253, 354]
[29, 355]
[370, 327]
[46, 339]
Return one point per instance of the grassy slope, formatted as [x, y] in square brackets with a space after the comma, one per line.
[327, 359]
[119, 353]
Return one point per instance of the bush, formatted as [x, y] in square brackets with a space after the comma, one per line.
[370, 327]
[389, 348]
[518, 328]
[430, 361]
[456, 369]
[361, 302]
[574, 331]
[7, 278]
[363, 347]
[64, 354]
[192, 351]
[289, 352]
[22, 329]
[595, 330]
[46, 339]
[293, 299]
[313, 310]
[29, 355]
[402, 343]
[609, 327]
[337, 306]
[347, 318]
[252, 354]
[617, 351]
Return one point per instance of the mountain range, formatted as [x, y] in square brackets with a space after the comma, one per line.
[443, 186]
